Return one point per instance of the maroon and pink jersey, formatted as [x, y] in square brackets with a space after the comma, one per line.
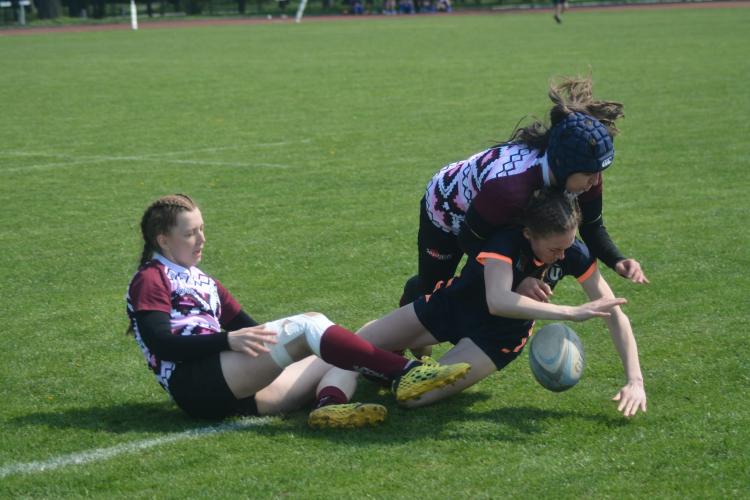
[196, 303]
[498, 182]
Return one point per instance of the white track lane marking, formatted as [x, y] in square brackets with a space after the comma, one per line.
[99, 454]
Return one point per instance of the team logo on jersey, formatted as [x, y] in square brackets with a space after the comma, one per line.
[554, 274]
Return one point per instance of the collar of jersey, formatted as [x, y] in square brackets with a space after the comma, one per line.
[545, 170]
[175, 267]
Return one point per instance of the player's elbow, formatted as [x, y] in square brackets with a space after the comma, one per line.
[498, 307]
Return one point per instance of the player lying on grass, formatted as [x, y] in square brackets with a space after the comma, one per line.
[214, 360]
[467, 201]
[480, 313]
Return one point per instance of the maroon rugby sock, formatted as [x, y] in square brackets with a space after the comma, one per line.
[331, 395]
[342, 348]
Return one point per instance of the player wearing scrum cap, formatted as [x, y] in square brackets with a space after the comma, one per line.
[488, 322]
[466, 201]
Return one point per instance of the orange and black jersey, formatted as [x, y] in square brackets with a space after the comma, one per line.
[458, 309]
[467, 291]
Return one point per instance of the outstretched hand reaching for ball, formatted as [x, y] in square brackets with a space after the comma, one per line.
[631, 398]
[600, 308]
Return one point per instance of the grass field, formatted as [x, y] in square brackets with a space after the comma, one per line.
[308, 147]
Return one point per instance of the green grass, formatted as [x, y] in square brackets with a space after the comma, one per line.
[308, 147]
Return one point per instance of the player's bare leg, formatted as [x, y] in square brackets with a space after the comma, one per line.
[465, 351]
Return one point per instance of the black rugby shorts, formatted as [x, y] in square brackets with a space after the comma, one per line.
[449, 322]
[199, 389]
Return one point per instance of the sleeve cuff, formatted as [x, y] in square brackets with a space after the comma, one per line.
[586, 275]
[484, 256]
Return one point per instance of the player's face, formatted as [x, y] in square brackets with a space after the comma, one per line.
[183, 244]
[580, 182]
[550, 248]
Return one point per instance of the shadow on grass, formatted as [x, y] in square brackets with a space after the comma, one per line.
[456, 417]
[119, 418]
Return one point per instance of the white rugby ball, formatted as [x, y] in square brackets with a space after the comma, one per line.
[556, 357]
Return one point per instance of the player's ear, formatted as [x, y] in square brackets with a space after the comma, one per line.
[527, 233]
[161, 240]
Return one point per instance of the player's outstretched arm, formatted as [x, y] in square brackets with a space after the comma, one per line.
[632, 397]
[502, 301]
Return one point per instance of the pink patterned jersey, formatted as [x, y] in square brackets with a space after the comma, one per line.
[196, 303]
[497, 182]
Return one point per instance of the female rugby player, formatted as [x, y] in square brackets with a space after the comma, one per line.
[467, 201]
[214, 360]
[480, 313]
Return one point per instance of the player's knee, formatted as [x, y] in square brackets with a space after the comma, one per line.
[315, 326]
[309, 327]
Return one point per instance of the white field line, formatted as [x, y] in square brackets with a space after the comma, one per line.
[80, 160]
[226, 148]
[100, 159]
[99, 454]
[48, 166]
[223, 163]
[168, 153]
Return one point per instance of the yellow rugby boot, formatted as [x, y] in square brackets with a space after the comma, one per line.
[425, 376]
[349, 415]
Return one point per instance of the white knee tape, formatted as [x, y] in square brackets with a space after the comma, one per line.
[289, 329]
[285, 333]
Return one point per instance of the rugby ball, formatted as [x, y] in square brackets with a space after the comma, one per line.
[556, 357]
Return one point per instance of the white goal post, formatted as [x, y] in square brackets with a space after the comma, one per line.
[133, 15]
[21, 9]
[300, 11]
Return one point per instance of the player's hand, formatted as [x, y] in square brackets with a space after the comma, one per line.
[600, 308]
[251, 340]
[534, 289]
[631, 398]
[631, 269]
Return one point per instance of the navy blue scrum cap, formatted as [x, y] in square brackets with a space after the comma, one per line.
[579, 143]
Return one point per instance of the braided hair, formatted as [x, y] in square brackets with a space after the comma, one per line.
[569, 95]
[550, 212]
[159, 218]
